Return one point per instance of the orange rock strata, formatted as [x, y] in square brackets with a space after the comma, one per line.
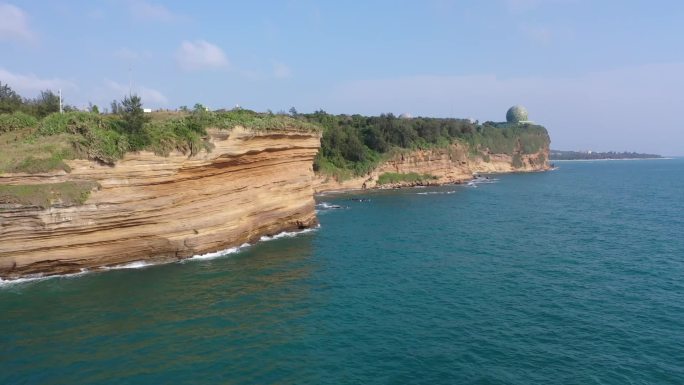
[450, 165]
[155, 208]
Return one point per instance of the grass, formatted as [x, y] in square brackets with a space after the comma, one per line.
[22, 151]
[411, 177]
[47, 195]
[28, 145]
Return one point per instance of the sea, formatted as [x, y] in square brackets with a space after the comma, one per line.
[573, 276]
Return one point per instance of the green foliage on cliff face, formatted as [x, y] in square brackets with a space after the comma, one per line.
[47, 195]
[411, 177]
[517, 161]
[354, 145]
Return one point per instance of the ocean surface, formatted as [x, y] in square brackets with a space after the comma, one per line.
[574, 276]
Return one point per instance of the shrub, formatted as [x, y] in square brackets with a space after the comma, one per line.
[16, 121]
[75, 122]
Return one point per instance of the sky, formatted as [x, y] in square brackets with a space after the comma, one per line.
[599, 74]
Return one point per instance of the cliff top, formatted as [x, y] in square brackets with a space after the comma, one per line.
[30, 144]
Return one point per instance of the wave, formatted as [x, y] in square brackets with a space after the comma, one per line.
[217, 254]
[131, 265]
[328, 206]
[142, 264]
[287, 234]
[39, 277]
[436, 192]
[481, 180]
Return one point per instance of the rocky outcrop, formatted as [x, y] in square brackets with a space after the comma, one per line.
[155, 208]
[454, 164]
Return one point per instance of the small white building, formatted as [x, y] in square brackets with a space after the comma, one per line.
[147, 110]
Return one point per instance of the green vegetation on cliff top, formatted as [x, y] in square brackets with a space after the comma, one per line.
[353, 145]
[36, 138]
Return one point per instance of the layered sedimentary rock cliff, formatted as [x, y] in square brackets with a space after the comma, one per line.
[453, 164]
[149, 207]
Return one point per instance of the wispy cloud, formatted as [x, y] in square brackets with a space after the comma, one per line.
[148, 95]
[143, 10]
[599, 110]
[200, 55]
[538, 34]
[26, 84]
[14, 24]
[128, 55]
[281, 71]
[519, 6]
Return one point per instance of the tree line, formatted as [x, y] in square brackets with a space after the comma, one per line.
[356, 143]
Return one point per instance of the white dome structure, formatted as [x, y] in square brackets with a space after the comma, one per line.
[516, 114]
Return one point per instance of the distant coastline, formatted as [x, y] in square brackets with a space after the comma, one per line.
[560, 155]
[609, 159]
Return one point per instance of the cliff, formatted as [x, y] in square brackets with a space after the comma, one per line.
[453, 164]
[148, 207]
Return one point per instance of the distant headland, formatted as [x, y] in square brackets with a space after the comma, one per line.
[593, 155]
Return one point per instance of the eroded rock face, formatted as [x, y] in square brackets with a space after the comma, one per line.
[157, 208]
[450, 165]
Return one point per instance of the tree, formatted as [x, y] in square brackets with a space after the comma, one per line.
[116, 107]
[10, 101]
[293, 112]
[133, 114]
[46, 104]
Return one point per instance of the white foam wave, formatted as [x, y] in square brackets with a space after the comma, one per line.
[328, 206]
[437, 192]
[131, 265]
[287, 234]
[141, 264]
[37, 278]
[217, 254]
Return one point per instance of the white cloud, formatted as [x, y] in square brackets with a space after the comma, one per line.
[27, 84]
[281, 71]
[14, 24]
[199, 55]
[538, 34]
[148, 11]
[148, 95]
[126, 54]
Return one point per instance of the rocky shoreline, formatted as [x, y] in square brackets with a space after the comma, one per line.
[251, 185]
[146, 207]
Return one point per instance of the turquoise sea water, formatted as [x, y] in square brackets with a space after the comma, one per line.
[574, 276]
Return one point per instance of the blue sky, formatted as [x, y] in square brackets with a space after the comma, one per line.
[601, 75]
